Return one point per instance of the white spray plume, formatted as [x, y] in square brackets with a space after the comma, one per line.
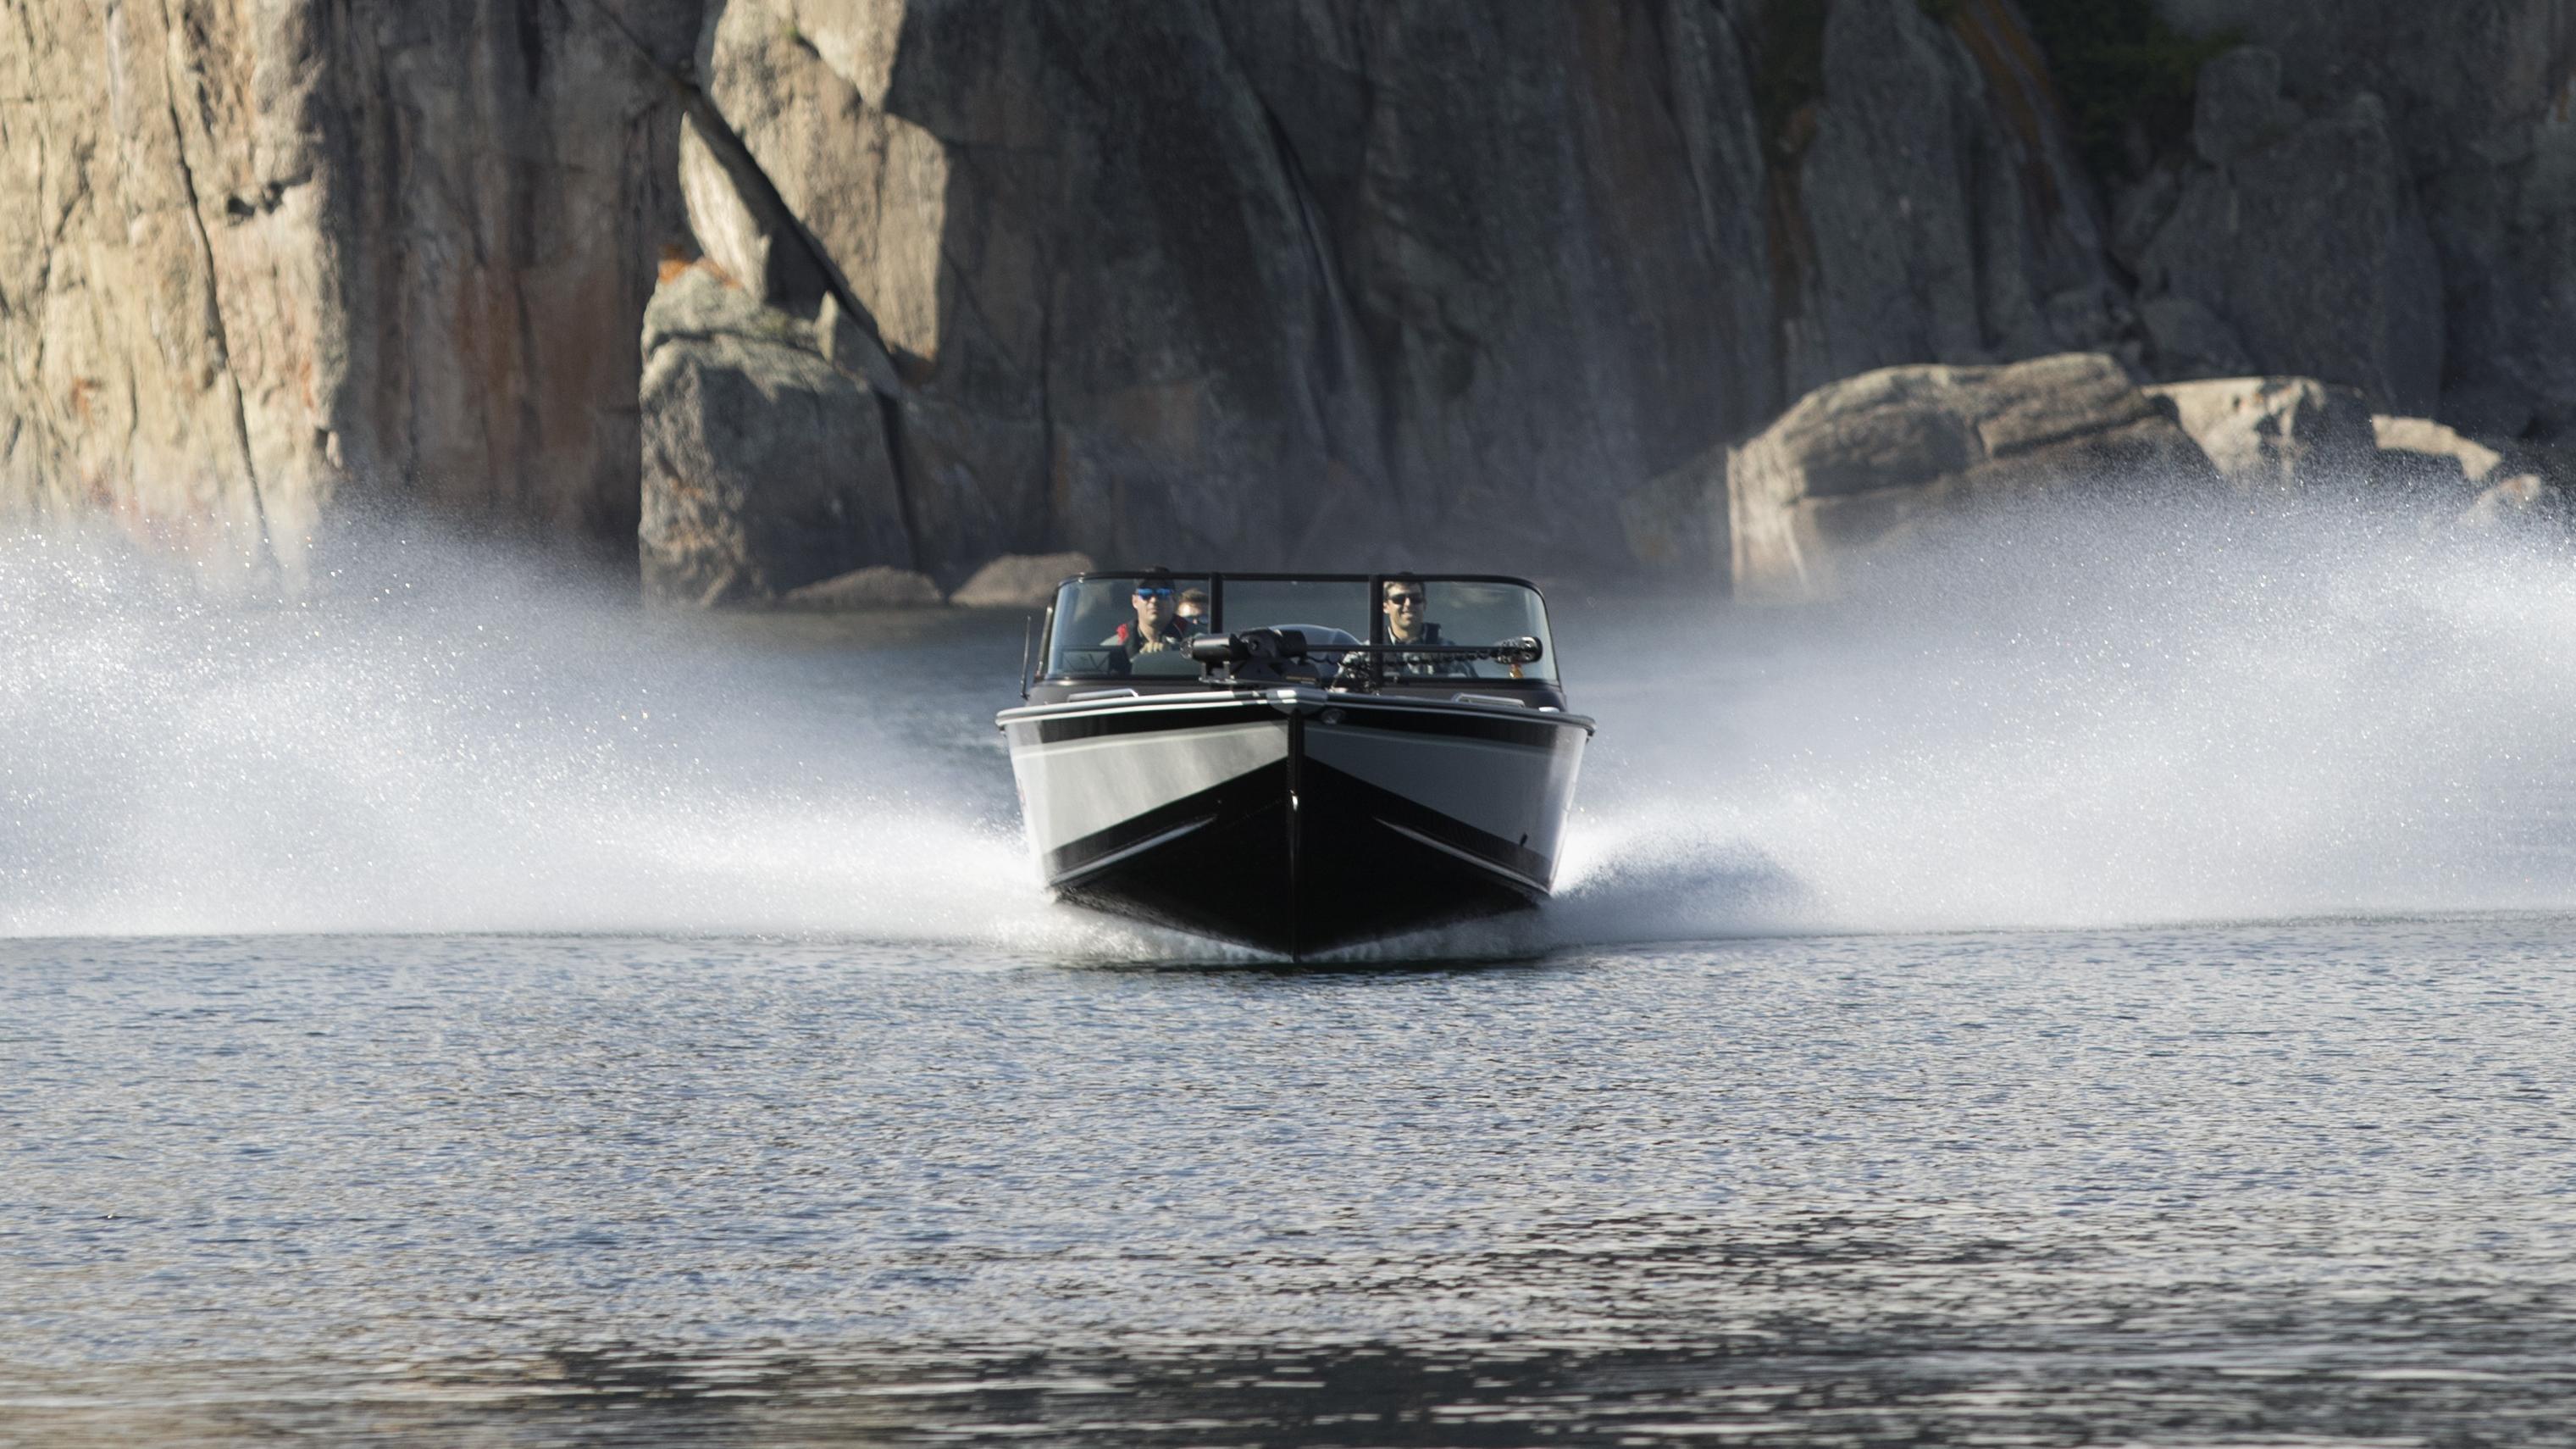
[2098, 714]
[2087, 716]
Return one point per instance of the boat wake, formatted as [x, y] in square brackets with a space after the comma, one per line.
[478, 745]
[2117, 717]
[2126, 716]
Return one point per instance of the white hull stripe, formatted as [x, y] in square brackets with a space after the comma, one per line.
[1511, 792]
[1081, 787]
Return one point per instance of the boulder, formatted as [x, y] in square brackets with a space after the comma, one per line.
[879, 586]
[2476, 485]
[766, 467]
[2276, 432]
[2425, 455]
[2520, 501]
[1860, 463]
[1019, 581]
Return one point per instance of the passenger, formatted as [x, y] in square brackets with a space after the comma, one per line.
[1193, 612]
[1403, 603]
[1157, 628]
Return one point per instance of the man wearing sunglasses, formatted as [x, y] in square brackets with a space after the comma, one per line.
[1404, 604]
[1157, 628]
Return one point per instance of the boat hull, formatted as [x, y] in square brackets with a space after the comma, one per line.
[1294, 820]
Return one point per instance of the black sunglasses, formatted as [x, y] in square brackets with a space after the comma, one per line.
[1400, 600]
[1147, 592]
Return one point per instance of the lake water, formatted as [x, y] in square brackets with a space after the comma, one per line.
[2301, 1182]
[2111, 998]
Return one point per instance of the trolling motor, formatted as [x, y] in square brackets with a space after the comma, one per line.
[1280, 656]
[1259, 654]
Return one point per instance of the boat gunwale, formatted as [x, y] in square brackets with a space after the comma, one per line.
[1290, 699]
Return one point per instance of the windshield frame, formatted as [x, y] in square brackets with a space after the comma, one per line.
[1216, 582]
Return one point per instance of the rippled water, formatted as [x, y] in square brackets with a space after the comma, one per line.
[479, 1013]
[2218, 1183]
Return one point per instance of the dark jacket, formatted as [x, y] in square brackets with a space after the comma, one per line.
[1362, 671]
[1130, 641]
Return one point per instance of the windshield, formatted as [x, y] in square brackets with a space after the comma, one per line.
[1454, 612]
[1129, 626]
[1330, 611]
[1140, 625]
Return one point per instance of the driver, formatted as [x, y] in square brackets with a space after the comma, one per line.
[1403, 602]
[1157, 627]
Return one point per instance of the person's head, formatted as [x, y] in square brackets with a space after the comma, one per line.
[1194, 607]
[1404, 605]
[1154, 603]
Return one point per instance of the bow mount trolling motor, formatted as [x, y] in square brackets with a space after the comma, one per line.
[1288, 656]
[1267, 656]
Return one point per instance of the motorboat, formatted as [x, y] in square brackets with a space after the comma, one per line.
[1298, 763]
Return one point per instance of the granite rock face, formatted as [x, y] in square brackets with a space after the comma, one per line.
[1254, 282]
[2479, 100]
[288, 261]
[1864, 462]
[766, 466]
[1350, 282]
[2304, 233]
[1937, 212]
[1368, 284]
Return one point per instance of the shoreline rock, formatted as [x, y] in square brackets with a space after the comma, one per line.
[1019, 581]
[2275, 432]
[1862, 463]
[876, 587]
[766, 466]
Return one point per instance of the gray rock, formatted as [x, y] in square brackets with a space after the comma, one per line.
[1284, 283]
[2140, 211]
[2237, 105]
[879, 586]
[1938, 205]
[1020, 581]
[2311, 246]
[1864, 461]
[2186, 340]
[2478, 96]
[272, 265]
[2419, 455]
[1260, 281]
[2524, 500]
[765, 467]
[2265, 433]
[1677, 523]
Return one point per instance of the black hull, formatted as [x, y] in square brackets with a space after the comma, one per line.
[1335, 875]
[1285, 852]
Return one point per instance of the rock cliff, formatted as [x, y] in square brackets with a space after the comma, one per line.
[273, 264]
[1320, 281]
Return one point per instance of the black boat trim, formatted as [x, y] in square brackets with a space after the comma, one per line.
[1078, 873]
[1294, 768]
[1469, 856]
[1133, 720]
[1446, 719]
